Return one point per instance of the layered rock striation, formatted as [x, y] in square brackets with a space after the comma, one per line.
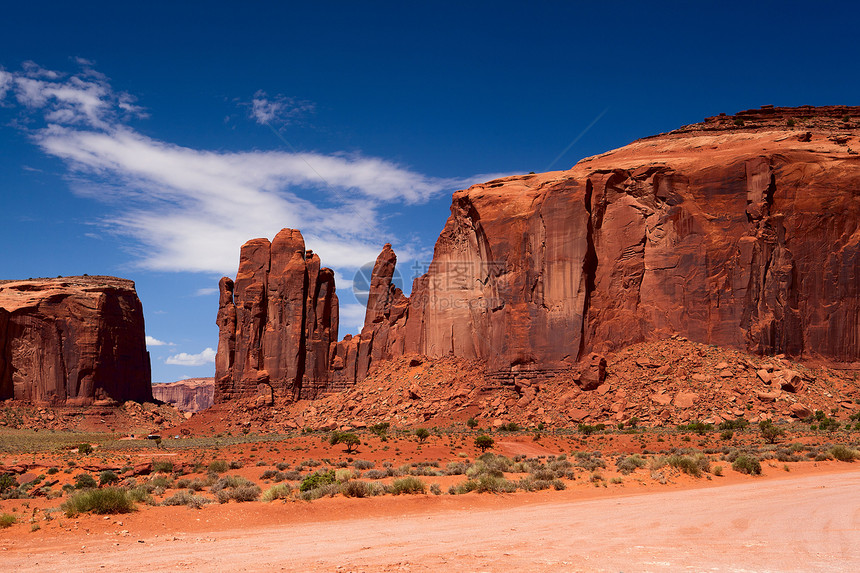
[191, 395]
[741, 232]
[72, 341]
[276, 322]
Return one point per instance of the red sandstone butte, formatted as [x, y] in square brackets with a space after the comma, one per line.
[742, 231]
[276, 322]
[740, 236]
[190, 395]
[72, 341]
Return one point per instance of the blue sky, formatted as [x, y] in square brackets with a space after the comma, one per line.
[149, 141]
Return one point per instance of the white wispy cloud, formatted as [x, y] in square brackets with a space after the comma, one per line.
[207, 356]
[205, 291]
[278, 110]
[191, 209]
[152, 341]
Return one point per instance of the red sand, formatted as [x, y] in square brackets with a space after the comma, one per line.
[794, 523]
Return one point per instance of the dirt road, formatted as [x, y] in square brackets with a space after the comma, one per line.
[809, 523]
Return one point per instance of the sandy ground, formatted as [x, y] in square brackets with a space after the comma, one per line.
[807, 523]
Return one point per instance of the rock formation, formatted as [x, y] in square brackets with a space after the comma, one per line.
[191, 395]
[742, 231]
[276, 322]
[741, 236]
[72, 341]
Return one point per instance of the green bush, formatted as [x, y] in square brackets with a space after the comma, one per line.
[472, 423]
[162, 466]
[407, 485]
[85, 449]
[746, 464]
[279, 491]
[7, 481]
[844, 454]
[7, 520]
[697, 427]
[100, 501]
[107, 477]
[422, 434]
[628, 464]
[317, 479]
[346, 438]
[737, 424]
[484, 442]
[85, 481]
[588, 429]
[769, 432]
[686, 464]
[218, 466]
[727, 435]
[187, 498]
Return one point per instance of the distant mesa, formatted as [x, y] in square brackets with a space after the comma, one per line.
[190, 395]
[742, 231]
[73, 341]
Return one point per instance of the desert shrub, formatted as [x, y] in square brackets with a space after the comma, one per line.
[279, 491]
[736, 424]
[187, 498]
[85, 481]
[7, 520]
[140, 495]
[282, 466]
[226, 482]
[250, 492]
[7, 481]
[218, 466]
[727, 435]
[362, 489]
[484, 442]
[344, 475]
[317, 479]
[99, 501]
[235, 464]
[844, 454]
[162, 466]
[162, 482]
[456, 468]
[746, 464]
[407, 485]
[52, 471]
[363, 465]
[494, 484]
[422, 434]
[588, 429]
[472, 423]
[376, 474]
[739, 122]
[697, 427]
[769, 432]
[589, 461]
[718, 470]
[350, 440]
[85, 449]
[330, 490]
[628, 464]
[686, 464]
[510, 427]
[107, 477]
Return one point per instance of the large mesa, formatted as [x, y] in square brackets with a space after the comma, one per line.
[72, 341]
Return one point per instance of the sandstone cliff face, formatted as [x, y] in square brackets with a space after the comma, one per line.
[191, 395]
[276, 322]
[72, 341]
[741, 238]
[740, 231]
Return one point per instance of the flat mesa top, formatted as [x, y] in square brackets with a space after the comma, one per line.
[18, 294]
